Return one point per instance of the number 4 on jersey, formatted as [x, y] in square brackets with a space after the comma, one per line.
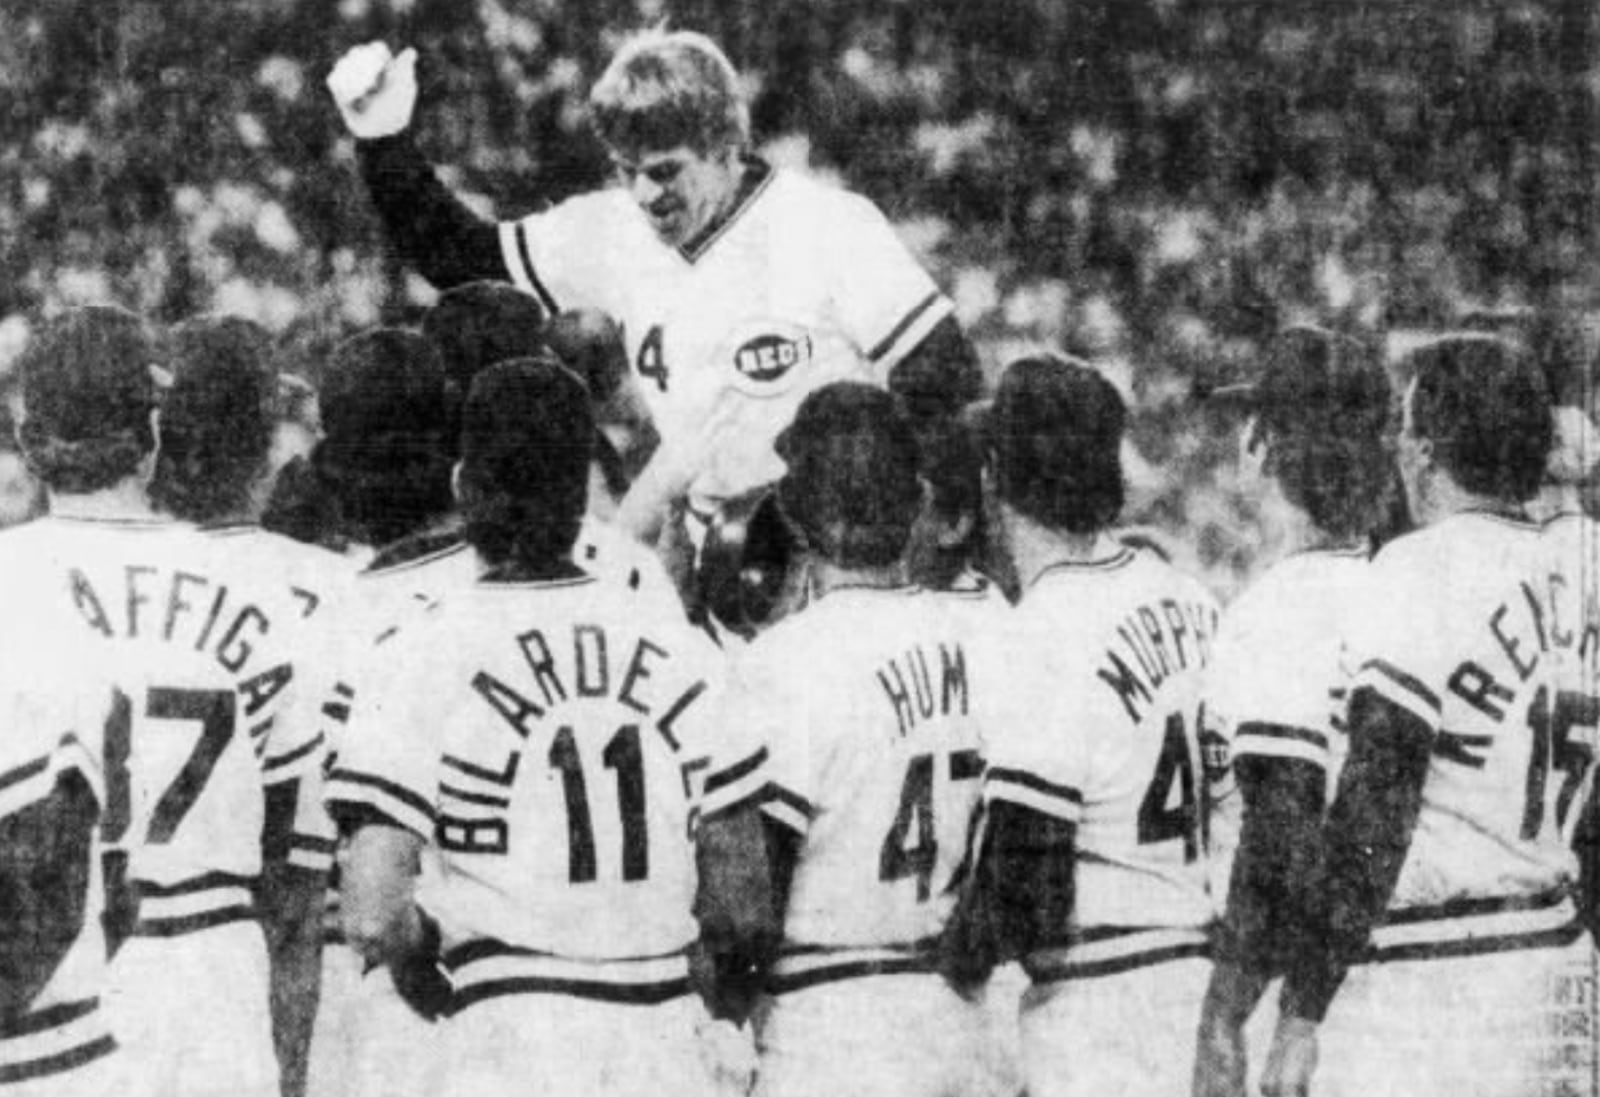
[651, 361]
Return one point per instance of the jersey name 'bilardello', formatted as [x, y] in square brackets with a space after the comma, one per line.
[587, 669]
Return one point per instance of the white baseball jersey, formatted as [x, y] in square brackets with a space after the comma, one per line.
[802, 285]
[1278, 682]
[551, 742]
[54, 706]
[868, 704]
[1106, 664]
[1457, 631]
[207, 640]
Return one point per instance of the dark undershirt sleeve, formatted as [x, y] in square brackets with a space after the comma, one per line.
[1277, 864]
[1021, 893]
[427, 226]
[1365, 840]
[940, 375]
[44, 887]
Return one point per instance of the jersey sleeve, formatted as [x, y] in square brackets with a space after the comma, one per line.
[1035, 751]
[774, 770]
[54, 724]
[1273, 683]
[568, 256]
[886, 302]
[388, 761]
[1394, 649]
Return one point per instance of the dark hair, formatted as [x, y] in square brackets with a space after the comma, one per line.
[385, 450]
[1484, 405]
[1055, 440]
[218, 418]
[526, 442]
[88, 393]
[1325, 409]
[852, 487]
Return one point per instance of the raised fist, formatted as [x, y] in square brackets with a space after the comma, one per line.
[375, 90]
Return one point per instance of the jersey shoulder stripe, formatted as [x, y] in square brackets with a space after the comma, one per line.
[1400, 688]
[1029, 790]
[918, 322]
[1281, 741]
[53, 1040]
[786, 807]
[401, 806]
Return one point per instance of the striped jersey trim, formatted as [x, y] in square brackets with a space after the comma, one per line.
[803, 968]
[1281, 741]
[54, 1040]
[518, 258]
[400, 805]
[24, 784]
[198, 903]
[1112, 950]
[737, 785]
[912, 329]
[1472, 927]
[480, 970]
[1401, 688]
[784, 806]
[279, 768]
[1121, 558]
[1029, 790]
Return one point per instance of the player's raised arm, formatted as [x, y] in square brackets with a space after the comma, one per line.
[376, 93]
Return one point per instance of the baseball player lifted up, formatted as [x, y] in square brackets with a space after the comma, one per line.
[739, 287]
[1443, 908]
[554, 759]
[1314, 451]
[1089, 870]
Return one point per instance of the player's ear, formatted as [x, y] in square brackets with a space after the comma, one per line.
[1254, 445]
[455, 482]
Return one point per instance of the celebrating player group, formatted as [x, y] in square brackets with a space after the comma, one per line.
[405, 746]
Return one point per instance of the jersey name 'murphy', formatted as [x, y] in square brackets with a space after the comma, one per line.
[909, 683]
[1158, 640]
[184, 608]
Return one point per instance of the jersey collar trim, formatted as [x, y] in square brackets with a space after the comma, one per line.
[758, 176]
[1516, 520]
[533, 584]
[1119, 559]
[152, 522]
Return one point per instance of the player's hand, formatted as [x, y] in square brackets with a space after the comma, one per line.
[1292, 1060]
[419, 980]
[727, 980]
[1220, 1059]
[375, 90]
[966, 957]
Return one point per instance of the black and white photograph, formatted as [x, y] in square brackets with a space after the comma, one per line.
[799, 548]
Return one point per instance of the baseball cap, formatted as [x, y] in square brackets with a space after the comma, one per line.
[852, 484]
[382, 388]
[89, 373]
[1313, 378]
[477, 324]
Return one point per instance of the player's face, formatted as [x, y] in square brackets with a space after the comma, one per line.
[680, 190]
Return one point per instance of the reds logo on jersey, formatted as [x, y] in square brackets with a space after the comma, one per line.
[768, 355]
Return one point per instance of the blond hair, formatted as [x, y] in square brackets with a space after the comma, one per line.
[664, 89]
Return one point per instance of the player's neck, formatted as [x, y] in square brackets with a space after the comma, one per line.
[1444, 498]
[827, 577]
[1555, 499]
[1034, 548]
[1293, 531]
[119, 502]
